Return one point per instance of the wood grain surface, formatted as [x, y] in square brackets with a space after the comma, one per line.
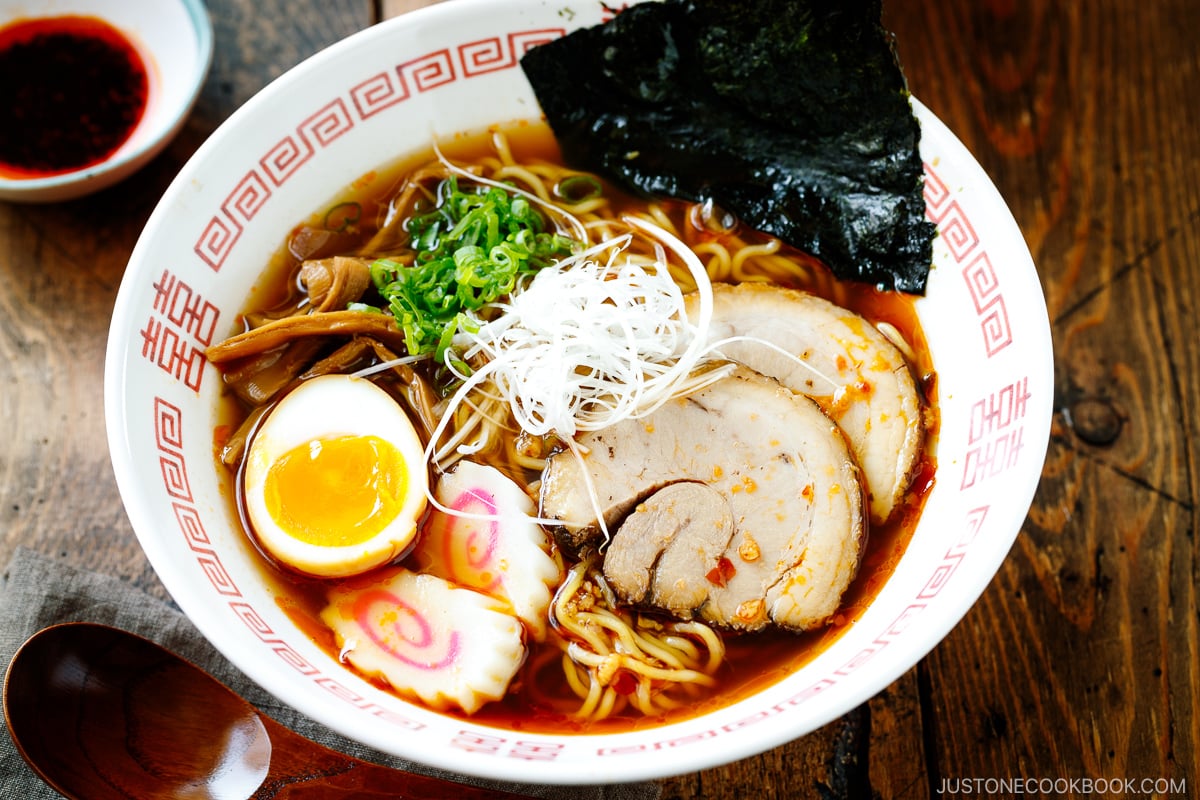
[1080, 660]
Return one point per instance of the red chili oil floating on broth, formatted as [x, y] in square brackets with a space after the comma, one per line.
[72, 90]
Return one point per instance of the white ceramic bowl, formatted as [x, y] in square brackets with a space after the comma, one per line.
[174, 39]
[453, 68]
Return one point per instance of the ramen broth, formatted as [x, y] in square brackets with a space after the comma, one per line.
[753, 660]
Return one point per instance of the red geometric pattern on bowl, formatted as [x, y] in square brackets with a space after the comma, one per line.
[996, 436]
[294, 150]
[358, 103]
[180, 324]
[956, 231]
[495, 53]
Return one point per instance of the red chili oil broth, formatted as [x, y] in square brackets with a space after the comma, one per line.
[753, 661]
[72, 91]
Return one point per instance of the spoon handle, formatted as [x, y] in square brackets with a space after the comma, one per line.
[329, 775]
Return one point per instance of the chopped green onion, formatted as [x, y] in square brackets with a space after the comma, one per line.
[342, 216]
[576, 189]
[471, 249]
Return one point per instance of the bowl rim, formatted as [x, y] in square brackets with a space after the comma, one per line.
[681, 760]
[201, 26]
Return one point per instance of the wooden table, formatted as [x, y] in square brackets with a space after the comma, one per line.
[1080, 662]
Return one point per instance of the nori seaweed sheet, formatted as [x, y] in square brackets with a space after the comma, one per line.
[794, 115]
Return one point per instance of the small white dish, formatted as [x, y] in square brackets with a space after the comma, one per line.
[175, 42]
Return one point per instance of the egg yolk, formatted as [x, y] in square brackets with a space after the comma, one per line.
[337, 492]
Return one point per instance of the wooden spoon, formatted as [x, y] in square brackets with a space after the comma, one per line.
[101, 713]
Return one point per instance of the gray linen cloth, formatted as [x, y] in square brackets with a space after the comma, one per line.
[37, 592]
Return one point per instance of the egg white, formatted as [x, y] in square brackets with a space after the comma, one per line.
[322, 408]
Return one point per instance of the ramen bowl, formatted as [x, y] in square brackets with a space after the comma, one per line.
[393, 90]
[171, 41]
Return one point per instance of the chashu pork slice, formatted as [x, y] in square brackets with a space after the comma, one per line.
[664, 553]
[857, 376]
[776, 465]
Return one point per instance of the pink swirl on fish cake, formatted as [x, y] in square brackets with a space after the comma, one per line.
[418, 635]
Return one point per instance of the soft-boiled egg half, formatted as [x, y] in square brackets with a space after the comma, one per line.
[334, 482]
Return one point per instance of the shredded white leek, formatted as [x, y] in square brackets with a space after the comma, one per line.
[589, 343]
[383, 366]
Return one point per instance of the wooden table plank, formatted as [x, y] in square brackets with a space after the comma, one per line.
[394, 8]
[1080, 660]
